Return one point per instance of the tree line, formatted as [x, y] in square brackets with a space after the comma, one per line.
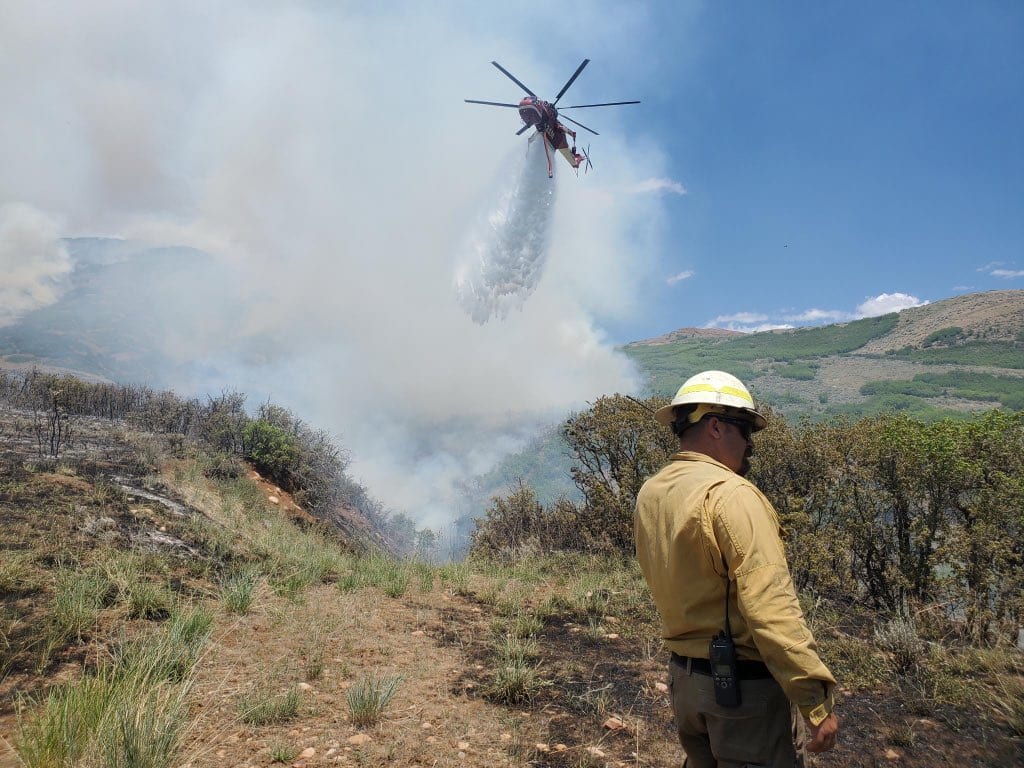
[304, 461]
[910, 517]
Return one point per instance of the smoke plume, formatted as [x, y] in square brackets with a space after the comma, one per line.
[34, 263]
[321, 152]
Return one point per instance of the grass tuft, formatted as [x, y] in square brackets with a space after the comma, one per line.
[237, 592]
[281, 752]
[260, 707]
[900, 639]
[131, 712]
[369, 696]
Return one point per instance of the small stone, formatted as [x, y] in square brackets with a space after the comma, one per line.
[463, 745]
[307, 753]
[611, 620]
[614, 724]
[162, 529]
[540, 746]
[611, 636]
[299, 764]
[892, 754]
[560, 747]
[426, 726]
[305, 687]
[595, 752]
[273, 499]
[221, 753]
[506, 737]
[661, 687]
[330, 752]
[418, 633]
[431, 739]
[359, 739]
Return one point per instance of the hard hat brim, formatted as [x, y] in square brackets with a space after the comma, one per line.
[666, 415]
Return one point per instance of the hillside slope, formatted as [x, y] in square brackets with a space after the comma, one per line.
[956, 355]
[281, 635]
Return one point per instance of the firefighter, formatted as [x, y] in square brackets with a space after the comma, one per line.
[709, 546]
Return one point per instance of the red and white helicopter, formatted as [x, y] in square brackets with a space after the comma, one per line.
[543, 115]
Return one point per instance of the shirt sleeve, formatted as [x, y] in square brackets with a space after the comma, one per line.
[746, 527]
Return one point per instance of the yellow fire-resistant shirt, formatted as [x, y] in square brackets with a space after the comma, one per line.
[691, 516]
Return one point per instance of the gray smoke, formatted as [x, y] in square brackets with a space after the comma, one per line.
[505, 253]
[322, 155]
[34, 264]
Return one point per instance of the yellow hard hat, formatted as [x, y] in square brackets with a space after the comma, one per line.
[719, 391]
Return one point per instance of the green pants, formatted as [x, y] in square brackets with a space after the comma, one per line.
[763, 732]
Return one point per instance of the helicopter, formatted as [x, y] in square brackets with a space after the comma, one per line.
[543, 115]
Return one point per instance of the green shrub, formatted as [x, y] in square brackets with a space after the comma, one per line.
[273, 451]
[943, 336]
[223, 466]
[799, 370]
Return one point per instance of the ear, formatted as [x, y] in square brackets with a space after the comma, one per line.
[714, 426]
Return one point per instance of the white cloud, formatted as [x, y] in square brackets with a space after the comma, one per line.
[34, 263]
[656, 185]
[739, 317]
[754, 322]
[1007, 274]
[884, 303]
[990, 266]
[819, 316]
[963, 288]
[747, 322]
[685, 275]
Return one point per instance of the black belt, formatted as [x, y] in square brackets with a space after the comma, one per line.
[748, 669]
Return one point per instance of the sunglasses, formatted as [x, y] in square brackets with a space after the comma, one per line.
[745, 426]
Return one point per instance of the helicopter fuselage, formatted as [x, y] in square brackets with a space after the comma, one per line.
[538, 112]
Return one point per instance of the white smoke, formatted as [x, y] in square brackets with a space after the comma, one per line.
[505, 253]
[34, 264]
[323, 152]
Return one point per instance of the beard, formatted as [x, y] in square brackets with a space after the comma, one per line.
[745, 464]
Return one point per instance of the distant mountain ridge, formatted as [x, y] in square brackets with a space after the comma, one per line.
[960, 354]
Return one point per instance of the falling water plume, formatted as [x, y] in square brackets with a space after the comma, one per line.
[503, 258]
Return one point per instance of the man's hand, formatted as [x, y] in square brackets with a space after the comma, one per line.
[823, 735]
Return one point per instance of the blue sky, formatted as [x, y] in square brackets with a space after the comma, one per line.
[832, 153]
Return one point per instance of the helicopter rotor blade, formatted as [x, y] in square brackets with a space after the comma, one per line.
[523, 129]
[581, 125]
[512, 77]
[571, 80]
[606, 104]
[490, 103]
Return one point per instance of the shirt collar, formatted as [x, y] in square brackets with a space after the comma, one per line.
[696, 456]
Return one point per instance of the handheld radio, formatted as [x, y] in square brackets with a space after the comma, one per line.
[724, 664]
